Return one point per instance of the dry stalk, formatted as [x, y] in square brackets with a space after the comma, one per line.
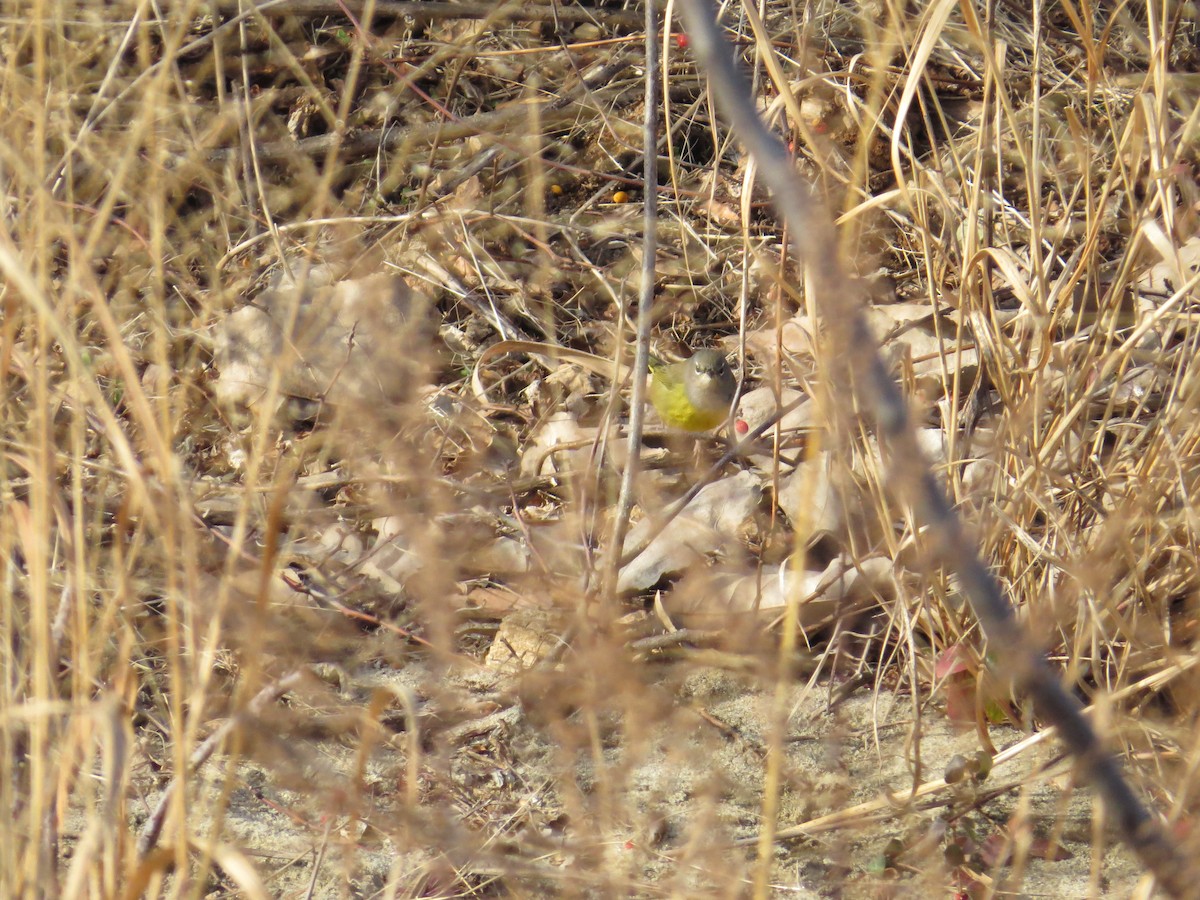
[645, 317]
[202, 753]
[423, 10]
[840, 302]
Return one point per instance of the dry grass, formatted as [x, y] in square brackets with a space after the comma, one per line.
[254, 641]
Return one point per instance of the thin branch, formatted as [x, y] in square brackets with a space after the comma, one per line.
[641, 359]
[426, 10]
[254, 710]
[742, 447]
[840, 301]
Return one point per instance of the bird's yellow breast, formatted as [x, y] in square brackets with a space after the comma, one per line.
[670, 398]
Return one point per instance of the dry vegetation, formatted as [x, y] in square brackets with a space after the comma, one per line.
[303, 584]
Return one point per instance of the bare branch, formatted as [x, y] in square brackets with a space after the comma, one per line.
[840, 303]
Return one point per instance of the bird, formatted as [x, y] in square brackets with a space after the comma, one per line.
[693, 394]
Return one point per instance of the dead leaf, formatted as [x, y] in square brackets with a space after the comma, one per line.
[356, 342]
[758, 405]
[561, 429]
[797, 338]
[928, 340]
[809, 499]
[823, 594]
[524, 639]
[709, 524]
[1169, 275]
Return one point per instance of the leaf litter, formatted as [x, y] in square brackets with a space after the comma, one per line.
[435, 544]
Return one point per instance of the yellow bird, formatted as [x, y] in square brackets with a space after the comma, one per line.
[694, 394]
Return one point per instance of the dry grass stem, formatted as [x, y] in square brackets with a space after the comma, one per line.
[341, 556]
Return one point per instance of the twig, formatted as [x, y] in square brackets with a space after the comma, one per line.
[602, 76]
[496, 122]
[255, 708]
[426, 10]
[675, 638]
[678, 506]
[641, 359]
[840, 302]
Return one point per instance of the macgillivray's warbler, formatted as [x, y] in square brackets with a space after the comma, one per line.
[694, 394]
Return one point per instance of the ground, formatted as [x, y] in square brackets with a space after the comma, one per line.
[317, 330]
